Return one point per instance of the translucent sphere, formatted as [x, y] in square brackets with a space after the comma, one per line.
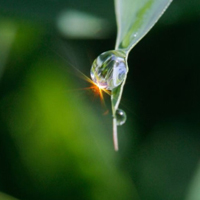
[109, 69]
[120, 117]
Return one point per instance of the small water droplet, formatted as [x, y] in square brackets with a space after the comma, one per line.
[109, 69]
[120, 116]
[135, 35]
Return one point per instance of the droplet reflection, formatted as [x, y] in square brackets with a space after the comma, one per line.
[109, 69]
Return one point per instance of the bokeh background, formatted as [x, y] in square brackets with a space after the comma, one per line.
[56, 136]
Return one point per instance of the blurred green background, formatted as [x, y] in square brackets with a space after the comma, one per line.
[55, 139]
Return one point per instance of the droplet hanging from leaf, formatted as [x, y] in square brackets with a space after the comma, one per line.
[120, 117]
[109, 71]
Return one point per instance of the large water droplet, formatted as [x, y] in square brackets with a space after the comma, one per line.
[120, 117]
[109, 69]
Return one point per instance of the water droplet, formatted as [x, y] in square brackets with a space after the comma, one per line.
[109, 69]
[135, 35]
[120, 116]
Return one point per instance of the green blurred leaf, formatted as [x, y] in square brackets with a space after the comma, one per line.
[7, 34]
[194, 192]
[60, 140]
[4, 196]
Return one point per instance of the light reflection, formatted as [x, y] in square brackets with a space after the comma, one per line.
[97, 89]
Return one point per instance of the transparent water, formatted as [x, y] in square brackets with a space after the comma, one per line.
[120, 117]
[109, 69]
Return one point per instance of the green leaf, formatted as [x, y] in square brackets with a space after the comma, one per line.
[115, 100]
[134, 19]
